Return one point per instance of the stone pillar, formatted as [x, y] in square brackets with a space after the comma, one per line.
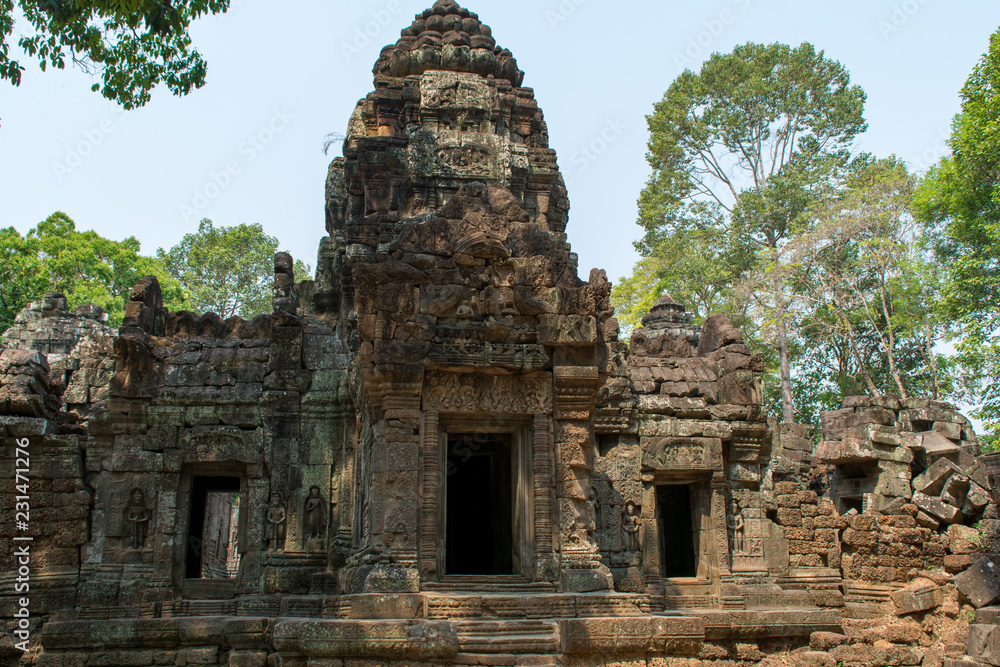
[582, 569]
[545, 542]
[251, 545]
[429, 484]
[396, 480]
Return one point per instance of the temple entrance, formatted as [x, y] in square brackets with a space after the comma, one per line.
[479, 535]
[212, 528]
[677, 535]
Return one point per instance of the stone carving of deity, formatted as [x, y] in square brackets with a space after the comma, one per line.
[136, 521]
[737, 532]
[314, 518]
[630, 526]
[276, 523]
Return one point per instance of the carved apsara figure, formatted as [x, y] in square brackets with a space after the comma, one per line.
[275, 529]
[136, 521]
[630, 526]
[314, 518]
[737, 533]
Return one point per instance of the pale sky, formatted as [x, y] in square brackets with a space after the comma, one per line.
[282, 76]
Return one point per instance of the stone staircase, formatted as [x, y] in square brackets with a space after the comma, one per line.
[509, 643]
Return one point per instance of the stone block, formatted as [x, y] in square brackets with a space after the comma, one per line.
[988, 615]
[811, 659]
[980, 583]
[976, 500]
[932, 480]
[957, 563]
[247, 659]
[949, 430]
[872, 656]
[936, 508]
[935, 446]
[824, 641]
[918, 596]
[925, 520]
[963, 539]
[893, 487]
[955, 490]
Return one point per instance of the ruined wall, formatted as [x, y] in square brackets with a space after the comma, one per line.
[282, 491]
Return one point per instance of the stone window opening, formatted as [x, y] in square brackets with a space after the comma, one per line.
[213, 536]
[852, 486]
[679, 541]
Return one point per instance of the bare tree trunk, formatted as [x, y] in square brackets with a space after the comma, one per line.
[785, 370]
[787, 402]
[932, 361]
[890, 348]
[857, 355]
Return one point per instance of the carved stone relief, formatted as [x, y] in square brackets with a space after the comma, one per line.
[276, 526]
[313, 521]
[136, 521]
[667, 453]
[451, 392]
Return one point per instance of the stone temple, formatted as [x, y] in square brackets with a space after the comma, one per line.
[439, 451]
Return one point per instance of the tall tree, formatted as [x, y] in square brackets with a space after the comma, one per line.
[959, 200]
[133, 46]
[758, 133]
[86, 267]
[868, 285]
[226, 270]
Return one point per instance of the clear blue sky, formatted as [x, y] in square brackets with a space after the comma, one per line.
[281, 77]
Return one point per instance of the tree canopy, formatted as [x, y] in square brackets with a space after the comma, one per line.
[86, 267]
[133, 46]
[226, 270]
[739, 152]
[960, 202]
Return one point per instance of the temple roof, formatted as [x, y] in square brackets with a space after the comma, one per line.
[448, 37]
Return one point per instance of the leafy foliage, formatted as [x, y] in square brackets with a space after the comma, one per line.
[959, 200]
[740, 151]
[226, 270]
[133, 44]
[868, 284]
[86, 267]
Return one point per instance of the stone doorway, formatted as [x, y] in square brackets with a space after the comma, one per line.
[479, 533]
[213, 528]
[678, 550]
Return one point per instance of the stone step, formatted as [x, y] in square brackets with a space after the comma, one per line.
[518, 637]
[507, 660]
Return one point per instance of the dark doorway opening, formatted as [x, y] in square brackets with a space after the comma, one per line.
[212, 528]
[479, 536]
[677, 538]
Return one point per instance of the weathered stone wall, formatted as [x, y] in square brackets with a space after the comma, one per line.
[652, 521]
[811, 526]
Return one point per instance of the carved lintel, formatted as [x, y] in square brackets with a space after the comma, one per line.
[667, 453]
[454, 392]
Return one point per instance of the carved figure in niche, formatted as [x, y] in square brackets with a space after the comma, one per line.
[595, 499]
[630, 526]
[466, 309]
[136, 520]
[737, 533]
[274, 531]
[314, 519]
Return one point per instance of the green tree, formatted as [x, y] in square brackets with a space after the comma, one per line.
[86, 267]
[133, 46]
[868, 287]
[227, 270]
[959, 200]
[758, 134]
[695, 264]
